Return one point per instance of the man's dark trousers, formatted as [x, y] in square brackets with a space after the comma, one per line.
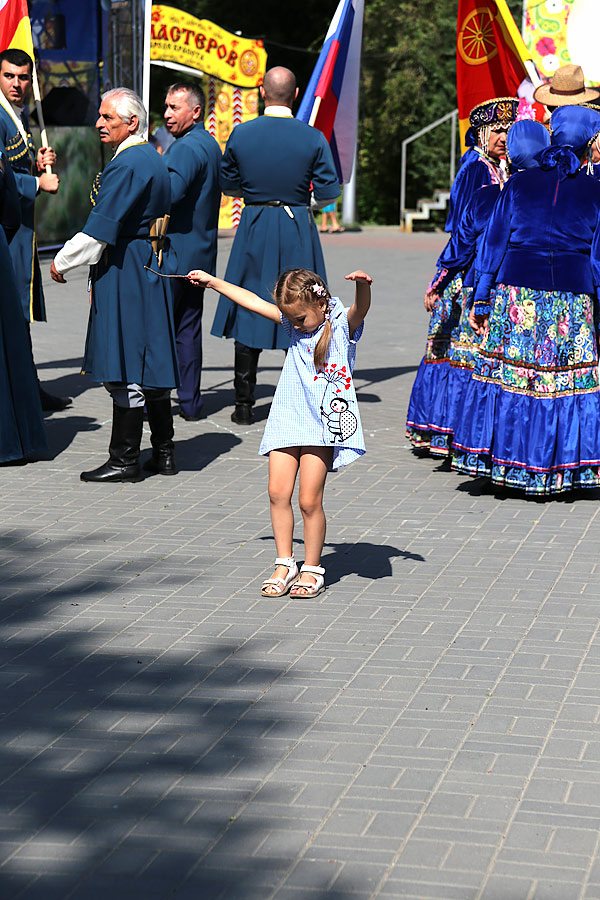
[189, 302]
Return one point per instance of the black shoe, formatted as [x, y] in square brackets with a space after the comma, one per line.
[124, 449]
[111, 472]
[51, 403]
[198, 418]
[162, 462]
[242, 415]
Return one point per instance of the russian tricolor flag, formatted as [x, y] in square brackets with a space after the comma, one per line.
[330, 102]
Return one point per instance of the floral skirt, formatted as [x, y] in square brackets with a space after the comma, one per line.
[429, 421]
[530, 414]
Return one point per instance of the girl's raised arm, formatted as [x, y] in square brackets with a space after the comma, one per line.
[239, 295]
[362, 300]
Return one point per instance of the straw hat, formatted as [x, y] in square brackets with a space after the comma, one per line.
[566, 88]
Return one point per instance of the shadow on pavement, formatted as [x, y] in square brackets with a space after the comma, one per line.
[196, 453]
[385, 373]
[62, 430]
[366, 560]
[132, 768]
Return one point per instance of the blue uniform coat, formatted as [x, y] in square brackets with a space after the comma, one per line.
[23, 248]
[193, 161]
[130, 335]
[22, 431]
[272, 158]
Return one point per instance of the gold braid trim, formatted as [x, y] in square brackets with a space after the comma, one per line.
[95, 188]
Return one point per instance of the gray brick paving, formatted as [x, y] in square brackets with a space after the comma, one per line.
[427, 728]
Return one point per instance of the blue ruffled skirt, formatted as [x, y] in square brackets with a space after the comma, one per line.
[529, 416]
[428, 424]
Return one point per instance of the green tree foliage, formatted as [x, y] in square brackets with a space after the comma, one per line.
[408, 81]
[80, 158]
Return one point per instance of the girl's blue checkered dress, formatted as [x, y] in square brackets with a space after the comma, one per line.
[318, 408]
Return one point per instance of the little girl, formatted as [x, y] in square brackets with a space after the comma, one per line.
[313, 425]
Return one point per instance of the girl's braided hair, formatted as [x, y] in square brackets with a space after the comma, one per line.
[307, 288]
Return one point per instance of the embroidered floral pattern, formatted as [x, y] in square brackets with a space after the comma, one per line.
[444, 318]
[464, 346]
[540, 343]
[523, 479]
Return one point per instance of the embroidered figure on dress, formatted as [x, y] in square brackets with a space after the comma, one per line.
[340, 421]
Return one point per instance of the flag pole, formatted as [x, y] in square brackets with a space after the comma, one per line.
[146, 61]
[315, 111]
[349, 196]
[38, 106]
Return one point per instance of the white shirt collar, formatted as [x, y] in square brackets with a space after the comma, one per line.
[283, 112]
[130, 141]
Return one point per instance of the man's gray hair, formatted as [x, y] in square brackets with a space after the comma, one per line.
[128, 104]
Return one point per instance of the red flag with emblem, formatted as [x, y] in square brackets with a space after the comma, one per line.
[15, 27]
[490, 55]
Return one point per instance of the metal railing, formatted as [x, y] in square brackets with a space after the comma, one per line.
[451, 115]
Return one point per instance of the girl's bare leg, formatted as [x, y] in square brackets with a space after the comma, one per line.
[314, 463]
[283, 468]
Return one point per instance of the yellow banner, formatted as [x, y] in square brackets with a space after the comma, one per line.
[180, 38]
[226, 107]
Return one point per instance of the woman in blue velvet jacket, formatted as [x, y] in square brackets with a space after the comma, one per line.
[531, 411]
[430, 421]
[489, 123]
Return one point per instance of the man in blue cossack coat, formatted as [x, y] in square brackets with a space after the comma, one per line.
[193, 161]
[28, 168]
[130, 344]
[273, 162]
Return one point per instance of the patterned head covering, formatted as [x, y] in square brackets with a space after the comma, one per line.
[497, 114]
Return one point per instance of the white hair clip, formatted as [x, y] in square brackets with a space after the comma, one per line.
[318, 289]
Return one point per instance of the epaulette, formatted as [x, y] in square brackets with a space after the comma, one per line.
[95, 188]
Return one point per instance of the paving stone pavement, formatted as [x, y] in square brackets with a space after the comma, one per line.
[426, 729]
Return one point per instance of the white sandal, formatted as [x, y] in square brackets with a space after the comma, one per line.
[309, 589]
[282, 584]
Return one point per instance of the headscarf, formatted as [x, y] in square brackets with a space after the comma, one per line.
[572, 129]
[525, 140]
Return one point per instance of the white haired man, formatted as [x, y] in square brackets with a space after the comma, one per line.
[130, 344]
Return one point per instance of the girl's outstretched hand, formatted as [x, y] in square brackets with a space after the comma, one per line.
[359, 275]
[199, 278]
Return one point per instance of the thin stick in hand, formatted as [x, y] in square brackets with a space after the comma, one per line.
[162, 274]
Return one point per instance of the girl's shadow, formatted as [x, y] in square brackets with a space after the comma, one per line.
[366, 560]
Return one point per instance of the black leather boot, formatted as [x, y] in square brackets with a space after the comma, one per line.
[124, 450]
[160, 420]
[244, 382]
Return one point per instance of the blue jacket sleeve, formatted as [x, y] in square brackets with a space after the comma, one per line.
[230, 178]
[595, 256]
[470, 177]
[120, 189]
[459, 252]
[27, 185]
[324, 177]
[184, 167]
[492, 249]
